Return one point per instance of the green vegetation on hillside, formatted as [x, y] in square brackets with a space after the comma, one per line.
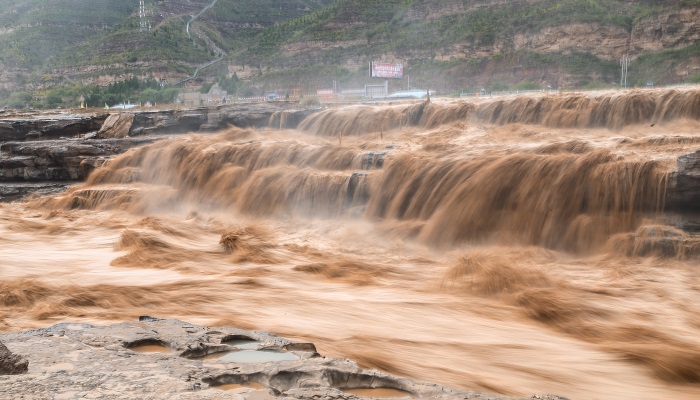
[131, 90]
[655, 66]
[38, 36]
[418, 31]
[445, 44]
[166, 42]
[39, 30]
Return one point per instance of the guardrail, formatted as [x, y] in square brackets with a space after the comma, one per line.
[187, 28]
[250, 99]
[505, 92]
[208, 64]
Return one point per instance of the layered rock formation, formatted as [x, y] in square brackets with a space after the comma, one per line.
[144, 122]
[38, 126]
[116, 126]
[60, 160]
[169, 359]
[67, 147]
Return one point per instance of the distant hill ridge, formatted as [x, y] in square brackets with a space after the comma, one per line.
[444, 44]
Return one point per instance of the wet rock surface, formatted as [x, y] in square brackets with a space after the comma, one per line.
[46, 126]
[60, 160]
[10, 191]
[10, 363]
[170, 359]
[115, 124]
[54, 147]
[685, 183]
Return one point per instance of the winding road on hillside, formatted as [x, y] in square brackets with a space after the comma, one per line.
[213, 3]
[210, 44]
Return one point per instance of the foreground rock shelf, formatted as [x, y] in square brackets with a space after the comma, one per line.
[170, 359]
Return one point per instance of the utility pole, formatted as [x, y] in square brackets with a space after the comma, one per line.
[142, 16]
[624, 63]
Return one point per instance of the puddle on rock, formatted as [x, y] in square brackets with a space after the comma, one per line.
[232, 386]
[243, 343]
[150, 348]
[260, 395]
[256, 356]
[379, 393]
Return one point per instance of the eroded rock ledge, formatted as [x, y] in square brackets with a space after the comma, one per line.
[52, 125]
[170, 359]
[61, 160]
[59, 148]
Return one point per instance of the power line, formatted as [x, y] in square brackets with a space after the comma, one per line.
[144, 24]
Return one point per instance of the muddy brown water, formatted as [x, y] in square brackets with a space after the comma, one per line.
[150, 348]
[233, 386]
[472, 244]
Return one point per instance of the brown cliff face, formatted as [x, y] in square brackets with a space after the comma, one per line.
[668, 30]
[673, 29]
[606, 42]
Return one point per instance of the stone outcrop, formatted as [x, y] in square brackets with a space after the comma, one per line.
[60, 160]
[605, 41]
[116, 126]
[666, 30]
[169, 359]
[146, 122]
[211, 119]
[42, 150]
[36, 127]
[11, 364]
[10, 191]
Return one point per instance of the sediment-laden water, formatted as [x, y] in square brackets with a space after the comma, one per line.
[517, 245]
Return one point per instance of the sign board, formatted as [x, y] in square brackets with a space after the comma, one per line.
[385, 70]
[326, 94]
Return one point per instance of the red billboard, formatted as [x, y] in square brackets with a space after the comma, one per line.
[385, 70]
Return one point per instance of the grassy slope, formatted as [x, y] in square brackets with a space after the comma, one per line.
[67, 33]
[44, 28]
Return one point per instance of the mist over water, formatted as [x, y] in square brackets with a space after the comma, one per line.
[518, 245]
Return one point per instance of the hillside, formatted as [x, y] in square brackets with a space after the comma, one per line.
[448, 45]
[49, 42]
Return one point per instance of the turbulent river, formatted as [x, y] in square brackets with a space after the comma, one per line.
[515, 246]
